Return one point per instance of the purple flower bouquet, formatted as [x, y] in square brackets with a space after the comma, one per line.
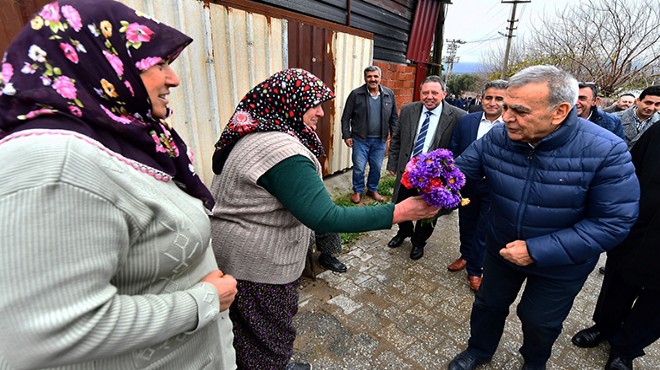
[437, 179]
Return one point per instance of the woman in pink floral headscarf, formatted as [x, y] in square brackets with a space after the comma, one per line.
[104, 234]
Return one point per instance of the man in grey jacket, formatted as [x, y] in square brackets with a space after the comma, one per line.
[370, 114]
[642, 115]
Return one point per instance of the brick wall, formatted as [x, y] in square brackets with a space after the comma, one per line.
[400, 78]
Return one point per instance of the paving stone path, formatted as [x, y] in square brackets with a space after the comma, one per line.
[389, 312]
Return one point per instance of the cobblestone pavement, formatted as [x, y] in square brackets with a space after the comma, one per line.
[389, 312]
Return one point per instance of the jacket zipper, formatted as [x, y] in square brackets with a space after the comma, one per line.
[525, 194]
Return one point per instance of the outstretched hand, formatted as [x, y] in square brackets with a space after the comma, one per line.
[225, 285]
[516, 252]
[413, 208]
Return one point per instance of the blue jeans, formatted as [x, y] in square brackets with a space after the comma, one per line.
[543, 308]
[372, 150]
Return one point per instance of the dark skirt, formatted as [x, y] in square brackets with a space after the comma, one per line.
[262, 315]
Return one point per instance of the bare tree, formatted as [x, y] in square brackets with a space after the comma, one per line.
[519, 58]
[613, 43]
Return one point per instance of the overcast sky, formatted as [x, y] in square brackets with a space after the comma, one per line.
[478, 22]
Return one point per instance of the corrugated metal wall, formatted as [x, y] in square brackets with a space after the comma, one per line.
[421, 36]
[13, 16]
[233, 51]
[352, 55]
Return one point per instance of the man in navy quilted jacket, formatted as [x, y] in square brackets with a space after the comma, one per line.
[561, 192]
[587, 108]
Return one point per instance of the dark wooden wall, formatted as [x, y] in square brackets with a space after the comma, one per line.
[390, 21]
[14, 14]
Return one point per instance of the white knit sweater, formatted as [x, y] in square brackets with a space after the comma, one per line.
[101, 262]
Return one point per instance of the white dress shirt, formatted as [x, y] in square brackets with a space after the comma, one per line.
[485, 125]
[434, 119]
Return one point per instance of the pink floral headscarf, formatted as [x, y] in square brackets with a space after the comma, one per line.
[76, 66]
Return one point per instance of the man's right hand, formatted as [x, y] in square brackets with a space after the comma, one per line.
[517, 253]
[391, 172]
[349, 142]
[225, 285]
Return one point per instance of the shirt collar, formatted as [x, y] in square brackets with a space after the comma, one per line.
[497, 120]
[370, 94]
[436, 112]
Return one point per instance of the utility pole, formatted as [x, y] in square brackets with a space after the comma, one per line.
[505, 64]
[451, 58]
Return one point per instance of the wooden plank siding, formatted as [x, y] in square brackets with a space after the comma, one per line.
[389, 21]
[14, 15]
[238, 43]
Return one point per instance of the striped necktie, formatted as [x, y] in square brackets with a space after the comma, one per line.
[419, 144]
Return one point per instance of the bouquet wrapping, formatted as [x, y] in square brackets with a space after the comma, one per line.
[436, 178]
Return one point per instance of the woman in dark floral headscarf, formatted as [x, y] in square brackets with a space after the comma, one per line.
[269, 198]
[104, 232]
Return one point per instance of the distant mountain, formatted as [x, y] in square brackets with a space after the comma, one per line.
[466, 67]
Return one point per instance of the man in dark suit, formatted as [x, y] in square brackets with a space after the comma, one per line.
[423, 126]
[473, 217]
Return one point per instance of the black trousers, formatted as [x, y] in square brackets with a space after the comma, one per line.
[627, 314]
[544, 305]
[419, 232]
[472, 221]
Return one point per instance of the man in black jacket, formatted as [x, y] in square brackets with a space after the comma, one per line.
[627, 310]
[369, 116]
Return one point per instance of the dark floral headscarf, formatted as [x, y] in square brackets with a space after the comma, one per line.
[277, 104]
[76, 66]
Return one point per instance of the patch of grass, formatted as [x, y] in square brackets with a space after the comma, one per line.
[345, 201]
[386, 185]
[348, 238]
[385, 188]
